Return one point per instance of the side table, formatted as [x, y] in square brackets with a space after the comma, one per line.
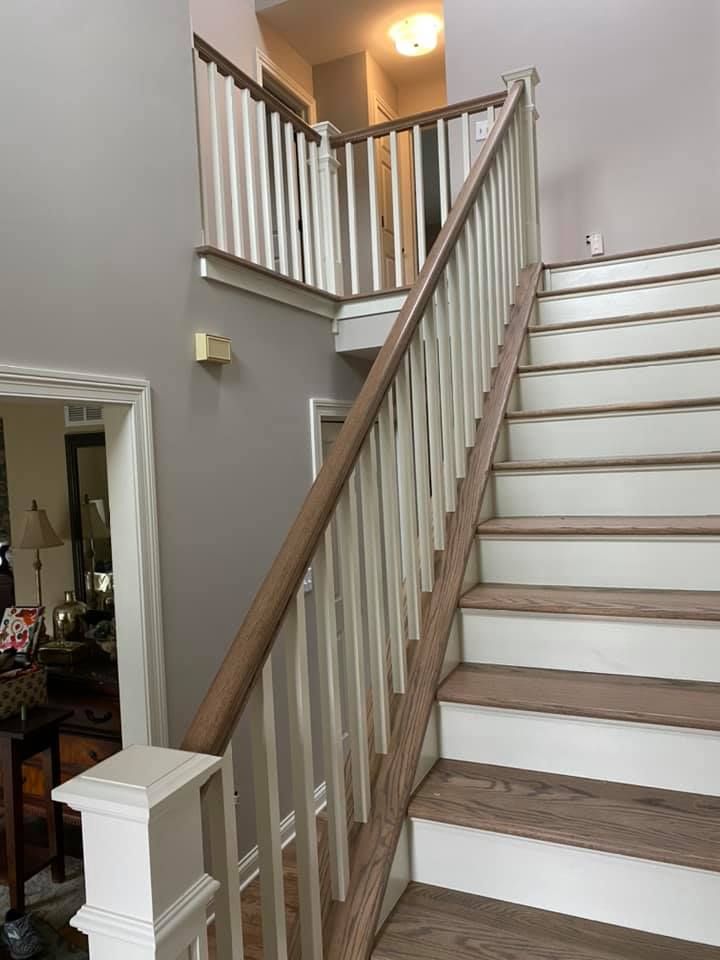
[38, 734]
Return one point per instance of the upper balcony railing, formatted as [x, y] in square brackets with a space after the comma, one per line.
[349, 213]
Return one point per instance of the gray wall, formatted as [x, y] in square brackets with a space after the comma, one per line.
[97, 272]
[629, 129]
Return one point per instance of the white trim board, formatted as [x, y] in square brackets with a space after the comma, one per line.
[264, 64]
[360, 323]
[320, 410]
[136, 555]
[248, 866]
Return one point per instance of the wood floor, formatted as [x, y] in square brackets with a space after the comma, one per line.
[431, 923]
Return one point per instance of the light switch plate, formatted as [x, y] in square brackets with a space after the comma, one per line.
[596, 243]
[482, 130]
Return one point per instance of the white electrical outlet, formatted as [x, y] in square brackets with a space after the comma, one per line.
[596, 243]
[482, 130]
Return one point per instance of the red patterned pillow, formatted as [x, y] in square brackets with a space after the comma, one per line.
[20, 629]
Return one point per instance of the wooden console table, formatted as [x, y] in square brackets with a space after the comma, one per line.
[38, 735]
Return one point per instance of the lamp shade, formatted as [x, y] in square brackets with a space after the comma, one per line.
[94, 527]
[38, 533]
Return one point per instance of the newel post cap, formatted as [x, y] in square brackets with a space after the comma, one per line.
[531, 78]
[326, 131]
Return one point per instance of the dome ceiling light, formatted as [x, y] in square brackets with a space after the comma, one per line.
[417, 35]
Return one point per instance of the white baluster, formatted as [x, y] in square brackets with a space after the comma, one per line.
[267, 816]
[280, 193]
[396, 208]
[419, 185]
[220, 835]
[406, 487]
[374, 216]
[349, 553]
[496, 287]
[434, 428]
[249, 164]
[514, 235]
[320, 278]
[233, 174]
[217, 166]
[352, 216]
[264, 172]
[444, 175]
[456, 363]
[305, 211]
[446, 396]
[519, 239]
[502, 245]
[291, 164]
[422, 479]
[301, 762]
[489, 271]
[466, 158]
[391, 539]
[374, 591]
[505, 179]
[482, 291]
[474, 314]
[331, 713]
[460, 267]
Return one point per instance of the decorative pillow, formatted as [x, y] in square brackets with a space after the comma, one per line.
[20, 629]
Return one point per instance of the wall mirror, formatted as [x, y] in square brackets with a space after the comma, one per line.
[90, 519]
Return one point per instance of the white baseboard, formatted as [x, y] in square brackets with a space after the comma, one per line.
[248, 865]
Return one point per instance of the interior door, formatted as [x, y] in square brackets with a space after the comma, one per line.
[384, 181]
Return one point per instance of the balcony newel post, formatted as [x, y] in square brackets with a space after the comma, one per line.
[330, 208]
[147, 891]
[528, 158]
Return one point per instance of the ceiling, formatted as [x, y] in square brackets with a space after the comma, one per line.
[322, 30]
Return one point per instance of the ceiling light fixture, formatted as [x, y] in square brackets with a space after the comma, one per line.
[417, 35]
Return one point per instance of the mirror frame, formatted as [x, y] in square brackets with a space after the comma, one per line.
[73, 443]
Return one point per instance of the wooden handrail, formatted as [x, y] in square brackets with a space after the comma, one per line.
[215, 721]
[424, 119]
[226, 68]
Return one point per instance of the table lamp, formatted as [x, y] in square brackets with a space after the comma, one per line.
[38, 535]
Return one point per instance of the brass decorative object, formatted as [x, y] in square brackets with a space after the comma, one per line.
[69, 620]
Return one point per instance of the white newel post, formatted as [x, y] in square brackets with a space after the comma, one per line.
[528, 159]
[147, 891]
[330, 208]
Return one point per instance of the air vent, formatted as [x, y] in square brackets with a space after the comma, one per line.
[81, 415]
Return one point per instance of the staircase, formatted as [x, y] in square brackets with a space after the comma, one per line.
[574, 809]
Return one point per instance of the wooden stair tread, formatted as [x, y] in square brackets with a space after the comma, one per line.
[629, 360]
[658, 279]
[651, 700]
[701, 605]
[432, 923]
[679, 313]
[633, 254]
[588, 463]
[665, 826]
[653, 406]
[600, 526]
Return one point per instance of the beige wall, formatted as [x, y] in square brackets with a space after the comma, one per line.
[629, 128]
[422, 95]
[232, 26]
[36, 469]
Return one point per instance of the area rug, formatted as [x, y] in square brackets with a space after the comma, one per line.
[51, 905]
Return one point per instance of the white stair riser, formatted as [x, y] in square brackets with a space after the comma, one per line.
[647, 298]
[661, 491]
[635, 383]
[625, 339]
[617, 435]
[670, 758]
[642, 648]
[633, 268]
[671, 563]
[659, 898]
